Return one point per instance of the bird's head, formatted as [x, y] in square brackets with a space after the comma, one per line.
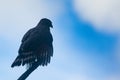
[46, 22]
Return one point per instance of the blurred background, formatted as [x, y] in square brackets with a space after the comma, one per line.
[86, 38]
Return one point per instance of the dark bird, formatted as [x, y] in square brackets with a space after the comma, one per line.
[36, 48]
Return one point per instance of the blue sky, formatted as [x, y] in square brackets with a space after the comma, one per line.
[86, 38]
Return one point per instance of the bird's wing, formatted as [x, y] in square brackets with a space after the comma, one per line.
[31, 42]
[36, 46]
[27, 34]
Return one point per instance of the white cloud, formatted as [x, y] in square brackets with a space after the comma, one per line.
[17, 16]
[104, 15]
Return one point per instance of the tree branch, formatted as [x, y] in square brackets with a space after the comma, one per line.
[29, 71]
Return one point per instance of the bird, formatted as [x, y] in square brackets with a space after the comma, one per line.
[36, 48]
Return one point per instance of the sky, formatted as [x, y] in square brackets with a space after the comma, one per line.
[86, 38]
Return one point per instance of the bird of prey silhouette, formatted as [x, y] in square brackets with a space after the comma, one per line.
[36, 48]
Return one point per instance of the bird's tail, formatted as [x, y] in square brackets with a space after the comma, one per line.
[29, 71]
[29, 60]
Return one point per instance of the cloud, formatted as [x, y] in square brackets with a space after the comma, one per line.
[17, 16]
[104, 15]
